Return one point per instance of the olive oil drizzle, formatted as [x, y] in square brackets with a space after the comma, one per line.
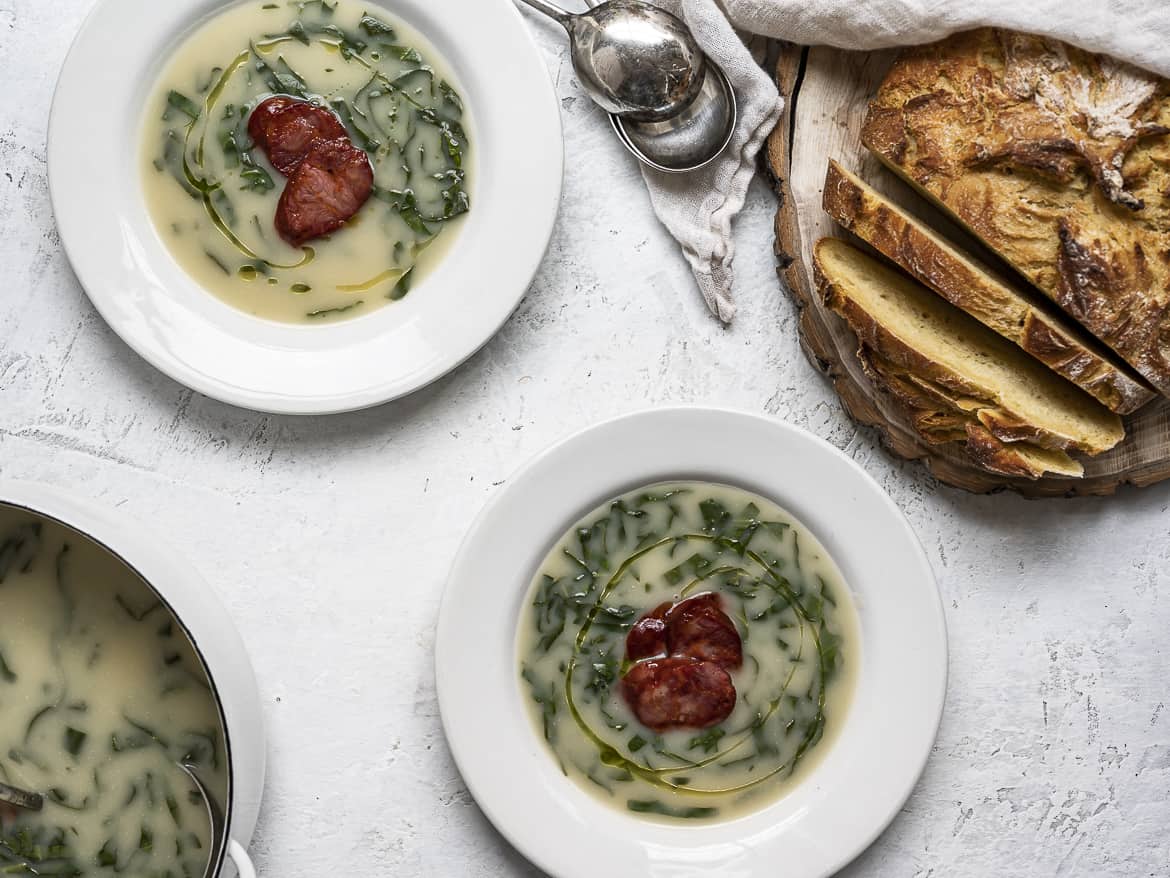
[443, 111]
[723, 534]
[609, 754]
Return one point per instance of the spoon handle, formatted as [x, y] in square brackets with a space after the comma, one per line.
[554, 12]
[215, 816]
[20, 799]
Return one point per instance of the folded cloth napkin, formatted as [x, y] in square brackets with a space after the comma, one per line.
[698, 208]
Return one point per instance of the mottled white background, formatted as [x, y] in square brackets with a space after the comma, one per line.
[329, 538]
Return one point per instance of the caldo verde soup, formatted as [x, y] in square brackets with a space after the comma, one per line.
[214, 194]
[688, 650]
[101, 695]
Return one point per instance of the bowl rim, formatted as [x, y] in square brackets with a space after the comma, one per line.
[200, 341]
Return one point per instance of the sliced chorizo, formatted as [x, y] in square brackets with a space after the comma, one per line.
[291, 133]
[326, 190]
[678, 692]
[647, 637]
[698, 628]
[262, 116]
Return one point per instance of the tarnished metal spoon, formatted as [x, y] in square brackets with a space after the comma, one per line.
[670, 106]
[633, 58]
[17, 798]
[20, 799]
[215, 816]
[692, 139]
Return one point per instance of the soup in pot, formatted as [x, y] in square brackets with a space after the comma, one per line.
[102, 697]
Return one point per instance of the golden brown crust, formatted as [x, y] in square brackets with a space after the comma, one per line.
[943, 405]
[1059, 160]
[938, 423]
[992, 455]
[872, 335]
[974, 288]
[998, 457]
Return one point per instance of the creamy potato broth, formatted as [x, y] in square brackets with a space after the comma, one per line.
[213, 196]
[101, 694]
[788, 600]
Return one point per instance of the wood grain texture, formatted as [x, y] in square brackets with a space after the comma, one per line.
[828, 92]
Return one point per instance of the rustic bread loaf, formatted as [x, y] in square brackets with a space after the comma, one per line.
[1021, 317]
[960, 374]
[1058, 159]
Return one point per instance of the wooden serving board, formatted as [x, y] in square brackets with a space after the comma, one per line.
[828, 90]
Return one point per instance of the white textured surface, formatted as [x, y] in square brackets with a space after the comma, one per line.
[329, 539]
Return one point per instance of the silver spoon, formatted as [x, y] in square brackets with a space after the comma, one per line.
[692, 139]
[670, 106]
[20, 798]
[632, 58]
[214, 816]
[35, 802]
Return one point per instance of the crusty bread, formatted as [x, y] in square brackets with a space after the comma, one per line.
[938, 421]
[954, 367]
[1058, 159]
[1021, 317]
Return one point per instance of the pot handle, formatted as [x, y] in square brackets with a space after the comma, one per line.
[240, 857]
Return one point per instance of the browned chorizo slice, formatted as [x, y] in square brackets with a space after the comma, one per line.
[262, 116]
[328, 188]
[647, 638]
[292, 133]
[674, 693]
[698, 627]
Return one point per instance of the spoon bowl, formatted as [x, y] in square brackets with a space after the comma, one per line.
[637, 60]
[632, 57]
[669, 104]
[690, 140]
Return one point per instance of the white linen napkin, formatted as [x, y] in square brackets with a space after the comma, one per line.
[698, 208]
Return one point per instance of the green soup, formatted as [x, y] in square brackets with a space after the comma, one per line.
[213, 195]
[101, 696]
[660, 545]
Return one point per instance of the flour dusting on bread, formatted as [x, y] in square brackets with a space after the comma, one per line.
[1059, 160]
[1097, 110]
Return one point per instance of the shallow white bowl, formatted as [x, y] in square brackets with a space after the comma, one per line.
[200, 341]
[842, 805]
[210, 629]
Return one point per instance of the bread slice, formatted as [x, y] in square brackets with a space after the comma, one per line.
[1002, 392]
[1058, 159]
[938, 420]
[1033, 325]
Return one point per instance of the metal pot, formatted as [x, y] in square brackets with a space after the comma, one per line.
[207, 624]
